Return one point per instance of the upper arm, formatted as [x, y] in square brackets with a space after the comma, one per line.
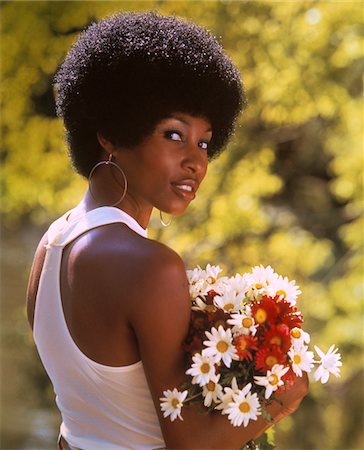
[161, 316]
[34, 278]
[160, 319]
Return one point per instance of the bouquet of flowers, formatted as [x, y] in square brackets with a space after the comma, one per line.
[245, 343]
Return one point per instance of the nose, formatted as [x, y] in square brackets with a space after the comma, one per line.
[195, 160]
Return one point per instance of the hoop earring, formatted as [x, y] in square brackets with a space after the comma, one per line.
[165, 224]
[108, 163]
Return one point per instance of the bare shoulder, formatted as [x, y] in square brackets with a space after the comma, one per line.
[136, 272]
[126, 256]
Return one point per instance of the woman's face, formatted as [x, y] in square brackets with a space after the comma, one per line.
[167, 168]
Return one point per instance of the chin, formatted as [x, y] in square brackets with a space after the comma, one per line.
[176, 210]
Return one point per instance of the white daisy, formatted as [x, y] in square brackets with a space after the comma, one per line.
[202, 370]
[212, 273]
[243, 324]
[246, 309]
[212, 391]
[229, 300]
[299, 337]
[220, 285]
[285, 289]
[172, 403]
[195, 274]
[238, 283]
[263, 275]
[220, 345]
[200, 305]
[259, 281]
[196, 280]
[329, 363]
[202, 281]
[227, 397]
[244, 407]
[302, 360]
[196, 289]
[272, 380]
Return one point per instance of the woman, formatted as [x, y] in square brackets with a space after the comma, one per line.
[147, 101]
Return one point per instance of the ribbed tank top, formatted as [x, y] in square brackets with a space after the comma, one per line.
[102, 407]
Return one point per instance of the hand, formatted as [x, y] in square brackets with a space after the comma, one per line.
[291, 398]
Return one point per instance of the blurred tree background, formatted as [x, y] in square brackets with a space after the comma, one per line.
[287, 192]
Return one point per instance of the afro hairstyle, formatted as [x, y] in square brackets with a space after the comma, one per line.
[127, 72]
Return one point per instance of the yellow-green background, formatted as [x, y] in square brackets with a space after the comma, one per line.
[287, 192]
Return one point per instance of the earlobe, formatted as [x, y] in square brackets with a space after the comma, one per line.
[105, 143]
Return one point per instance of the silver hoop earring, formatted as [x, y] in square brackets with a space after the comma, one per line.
[165, 224]
[108, 163]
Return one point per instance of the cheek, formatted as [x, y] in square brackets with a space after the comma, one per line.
[205, 168]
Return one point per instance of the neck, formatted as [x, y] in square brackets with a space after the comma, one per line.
[127, 205]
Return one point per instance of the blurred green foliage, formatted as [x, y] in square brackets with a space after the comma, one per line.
[288, 191]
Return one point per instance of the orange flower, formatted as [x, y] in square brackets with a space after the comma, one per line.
[266, 357]
[278, 335]
[245, 345]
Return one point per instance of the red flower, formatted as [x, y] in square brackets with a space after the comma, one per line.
[196, 332]
[289, 314]
[211, 294]
[217, 318]
[266, 357]
[289, 379]
[198, 321]
[278, 335]
[264, 310]
[194, 345]
[245, 345]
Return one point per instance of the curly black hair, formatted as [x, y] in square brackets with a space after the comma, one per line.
[129, 71]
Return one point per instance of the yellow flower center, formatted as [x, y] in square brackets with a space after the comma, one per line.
[271, 360]
[273, 379]
[175, 403]
[222, 346]
[247, 322]
[242, 344]
[281, 292]
[211, 280]
[218, 323]
[276, 340]
[258, 286]
[210, 386]
[244, 407]
[296, 333]
[210, 308]
[260, 315]
[205, 368]
[228, 306]
[296, 359]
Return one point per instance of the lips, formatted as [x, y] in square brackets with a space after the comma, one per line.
[186, 188]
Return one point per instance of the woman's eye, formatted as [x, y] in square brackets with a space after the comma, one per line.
[174, 135]
[204, 145]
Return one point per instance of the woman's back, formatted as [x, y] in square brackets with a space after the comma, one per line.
[102, 405]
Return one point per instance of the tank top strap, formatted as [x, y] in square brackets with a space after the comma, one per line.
[63, 231]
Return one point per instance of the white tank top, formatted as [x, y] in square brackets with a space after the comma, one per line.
[102, 407]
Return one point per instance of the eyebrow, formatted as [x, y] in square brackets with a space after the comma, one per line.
[186, 122]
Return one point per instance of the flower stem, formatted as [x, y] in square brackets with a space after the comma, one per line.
[188, 399]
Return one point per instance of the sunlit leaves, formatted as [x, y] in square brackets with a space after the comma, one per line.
[287, 192]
